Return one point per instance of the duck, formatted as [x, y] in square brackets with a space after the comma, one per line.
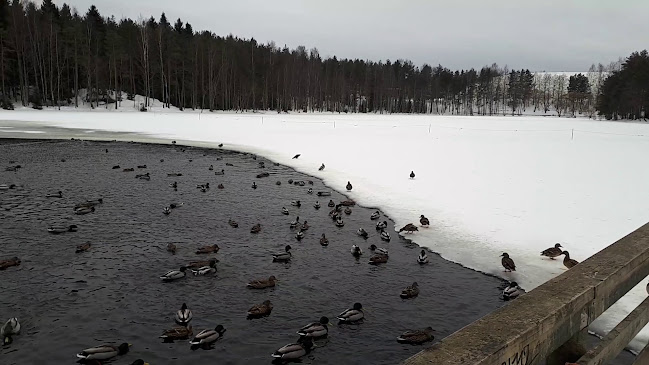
[211, 168]
[166, 211]
[205, 270]
[171, 247]
[567, 261]
[295, 222]
[203, 190]
[283, 256]
[10, 328]
[316, 205]
[409, 228]
[175, 174]
[410, 291]
[385, 236]
[294, 351]
[199, 264]
[256, 228]
[203, 186]
[263, 283]
[229, 164]
[296, 156]
[356, 251]
[103, 352]
[116, 167]
[416, 337]
[348, 210]
[378, 250]
[305, 226]
[233, 224]
[83, 248]
[220, 145]
[339, 222]
[422, 259]
[378, 259]
[130, 169]
[141, 166]
[552, 252]
[176, 333]
[220, 186]
[176, 205]
[424, 221]
[263, 174]
[143, 176]
[222, 172]
[507, 262]
[381, 225]
[278, 183]
[375, 215]
[323, 193]
[284, 211]
[208, 337]
[254, 185]
[174, 185]
[310, 191]
[512, 291]
[260, 310]
[174, 274]
[296, 203]
[322, 167]
[412, 174]
[323, 240]
[62, 229]
[84, 210]
[331, 204]
[58, 194]
[349, 186]
[94, 202]
[361, 232]
[354, 314]
[7, 187]
[208, 249]
[315, 329]
[14, 261]
[290, 181]
[299, 235]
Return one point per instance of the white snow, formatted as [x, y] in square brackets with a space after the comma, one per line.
[488, 184]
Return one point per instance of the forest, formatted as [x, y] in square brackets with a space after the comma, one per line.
[55, 56]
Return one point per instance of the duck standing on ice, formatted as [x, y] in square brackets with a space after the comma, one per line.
[424, 221]
[552, 252]
[322, 167]
[412, 174]
[507, 263]
[349, 186]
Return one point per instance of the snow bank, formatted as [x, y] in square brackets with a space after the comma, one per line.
[488, 184]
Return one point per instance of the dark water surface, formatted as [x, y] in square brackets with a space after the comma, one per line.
[112, 293]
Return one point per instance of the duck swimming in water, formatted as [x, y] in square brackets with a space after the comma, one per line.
[323, 240]
[361, 232]
[316, 205]
[174, 274]
[14, 261]
[378, 259]
[222, 172]
[130, 169]
[410, 291]
[315, 329]
[512, 291]
[254, 185]
[417, 337]
[146, 176]
[349, 186]
[295, 222]
[409, 228]
[378, 250]
[284, 211]
[59, 194]
[229, 164]
[552, 252]
[205, 270]
[166, 211]
[375, 215]
[171, 248]
[207, 337]
[422, 258]
[10, 328]
[176, 333]
[424, 221]
[339, 222]
[7, 187]
[322, 167]
[348, 210]
[84, 210]
[220, 186]
[278, 183]
[103, 352]
[305, 226]
[567, 261]
[211, 168]
[262, 284]
[183, 315]
[299, 235]
[174, 185]
[256, 228]
[294, 351]
[507, 262]
[233, 224]
[331, 204]
[381, 225]
[260, 310]
[62, 229]
[83, 248]
[199, 264]
[296, 203]
[352, 315]
[356, 251]
[176, 205]
[283, 256]
[385, 236]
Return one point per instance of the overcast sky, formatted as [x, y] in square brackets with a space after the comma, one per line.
[542, 35]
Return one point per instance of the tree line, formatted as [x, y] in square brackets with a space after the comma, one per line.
[54, 56]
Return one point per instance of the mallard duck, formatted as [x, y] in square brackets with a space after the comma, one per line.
[211, 168]
[331, 204]
[199, 264]
[7, 187]
[294, 351]
[278, 183]
[378, 250]
[424, 221]
[417, 337]
[348, 211]
[263, 174]
[310, 191]
[233, 224]
[220, 186]
[322, 167]
[356, 251]
[262, 284]
[256, 228]
[284, 211]
[166, 211]
[176, 333]
[354, 314]
[116, 167]
[83, 248]
[300, 183]
[316, 205]
[361, 232]
[323, 240]
[305, 226]
[567, 261]
[412, 174]
[208, 249]
[10, 328]
[339, 222]
[283, 256]
[507, 263]
[141, 166]
[323, 193]
[296, 203]
[375, 215]
[290, 181]
[422, 258]
[349, 186]
[254, 185]
[174, 274]
[348, 203]
[409, 228]
[205, 270]
[295, 222]
[94, 202]
[84, 210]
[171, 248]
[203, 186]
[315, 329]
[410, 291]
[208, 337]
[103, 352]
[222, 172]
[552, 252]
[146, 177]
[378, 259]
[203, 190]
[381, 225]
[174, 185]
[130, 169]
[296, 156]
[299, 235]
[385, 236]
[59, 194]
[512, 291]
[14, 261]
[175, 174]
[229, 164]
[62, 229]
[260, 310]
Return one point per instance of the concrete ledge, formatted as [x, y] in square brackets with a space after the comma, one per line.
[528, 329]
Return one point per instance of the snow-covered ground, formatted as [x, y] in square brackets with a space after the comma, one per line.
[488, 184]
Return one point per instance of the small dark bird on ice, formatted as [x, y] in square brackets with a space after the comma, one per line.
[322, 167]
[508, 263]
[412, 174]
[296, 156]
[220, 145]
[349, 186]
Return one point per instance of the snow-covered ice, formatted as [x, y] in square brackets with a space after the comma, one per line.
[488, 184]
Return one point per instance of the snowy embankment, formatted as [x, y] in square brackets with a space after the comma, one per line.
[488, 184]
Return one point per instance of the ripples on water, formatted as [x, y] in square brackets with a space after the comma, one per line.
[112, 293]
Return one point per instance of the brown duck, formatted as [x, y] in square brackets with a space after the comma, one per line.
[416, 337]
[233, 224]
[378, 259]
[177, 333]
[323, 240]
[410, 291]
[256, 228]
[508, 263]
[14, 261]
[199, 264]
[260, 310]
[567, 261]
[208, 249]
[171, 247]
[424, 221]
[348, 203]
[83, 248]
[409, 228]
[552, 252]
[263, 284]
